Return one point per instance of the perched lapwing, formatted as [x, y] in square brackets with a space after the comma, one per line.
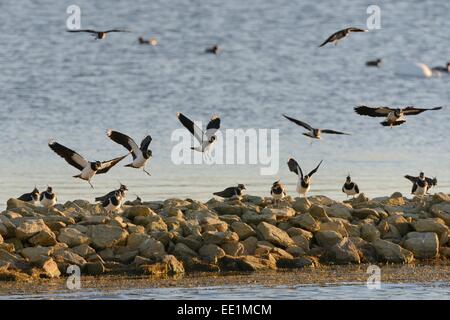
[341, 34]
[88, 169]
[313, 132]
[374, 63]
[231, 192]
[350, 188]
[141, 154]
[394, 117]
[152, 41]
[123, 190]
[114, 202]
[214, 49]
[32, 197]
[48, 198]
[420, 185]
[99, 35]
[206, 139]
[278, 192]
[304, 182]
[445, 69]
[431, 182]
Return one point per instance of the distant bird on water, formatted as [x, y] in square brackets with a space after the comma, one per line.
[98, 35]
[394, 117]
[48, 198]
[374, 63]
[313, 132]
[88, 169]
[206, 139]
[431, 182]
[32, 197]
[304, 182]
[341, 34]
[445, 69]
[151, 41]
[350, 188]
[231, 192]
[214, 49]
[141, 154]
[122, 189]
[278, 192]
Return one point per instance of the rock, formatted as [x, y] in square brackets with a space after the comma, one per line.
[211, 252]
[64, 258]
[152, 249]
[174, 266]
[105, 236]
[400, 223]
[436, 225]
[29, 228]
[245, 263]
[301, 242]
[318, 212]
[249, 245]
[1, 239]
[365, 213]
[3, 230]
[274, 235]
[345, 252]
[192, 241]
[230, 218]
[305, 221]
[168, 266]
[369, 232]
[300, 232]
[215, 237]
[83, 250]
[94, 268]
[296, 263]
[327, 238]
[424, 245]
[388, 231]
[253, 199]
[296, 251]
[36, 254]
[301, 205]
[253, 217]
[72, 237]
[214, 224]
[227, 209]
[279, 253]
[280, 213]
[43, 238]
[50, 268]
[391, 252]
[233, 249]
[336, 225]
[138, 211]
[155, 223]
[243, 230]
[183, 252]
[339, 210]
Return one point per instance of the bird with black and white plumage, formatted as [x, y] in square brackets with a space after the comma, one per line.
[32, 197]
[374, 63]
[341, 34]
[141, 154]
[207, 138]
[214, 49]
[114, 202]
[278, 192]
[420, 185]
[445, 69]
[304, 182]
[394, 116]
[431, 182]
[314, 133]
[99, 35]
[231, 192]
[350, 188]
[48, 198]
[152, 41]
[88, 169]
[123, 189]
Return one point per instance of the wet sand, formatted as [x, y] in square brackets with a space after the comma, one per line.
[324, 275]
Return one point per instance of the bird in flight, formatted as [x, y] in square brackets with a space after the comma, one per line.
[99, 35]
[312, 132]
[88, 169]
[431, 182]
[394, 116]
[304, 182]
[206, 139]
[341, 34]
[141, 154]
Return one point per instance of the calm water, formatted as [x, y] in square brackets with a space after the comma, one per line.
[71, 88]
[437, 290]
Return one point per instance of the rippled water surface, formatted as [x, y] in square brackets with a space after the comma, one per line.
[72, 88]
[351, 291]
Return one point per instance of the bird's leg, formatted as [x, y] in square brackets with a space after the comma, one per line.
[89, 181]
[148, 173]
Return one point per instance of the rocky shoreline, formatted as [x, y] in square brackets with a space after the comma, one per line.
[175, 236]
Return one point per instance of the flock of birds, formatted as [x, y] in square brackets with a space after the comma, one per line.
[141, 153]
